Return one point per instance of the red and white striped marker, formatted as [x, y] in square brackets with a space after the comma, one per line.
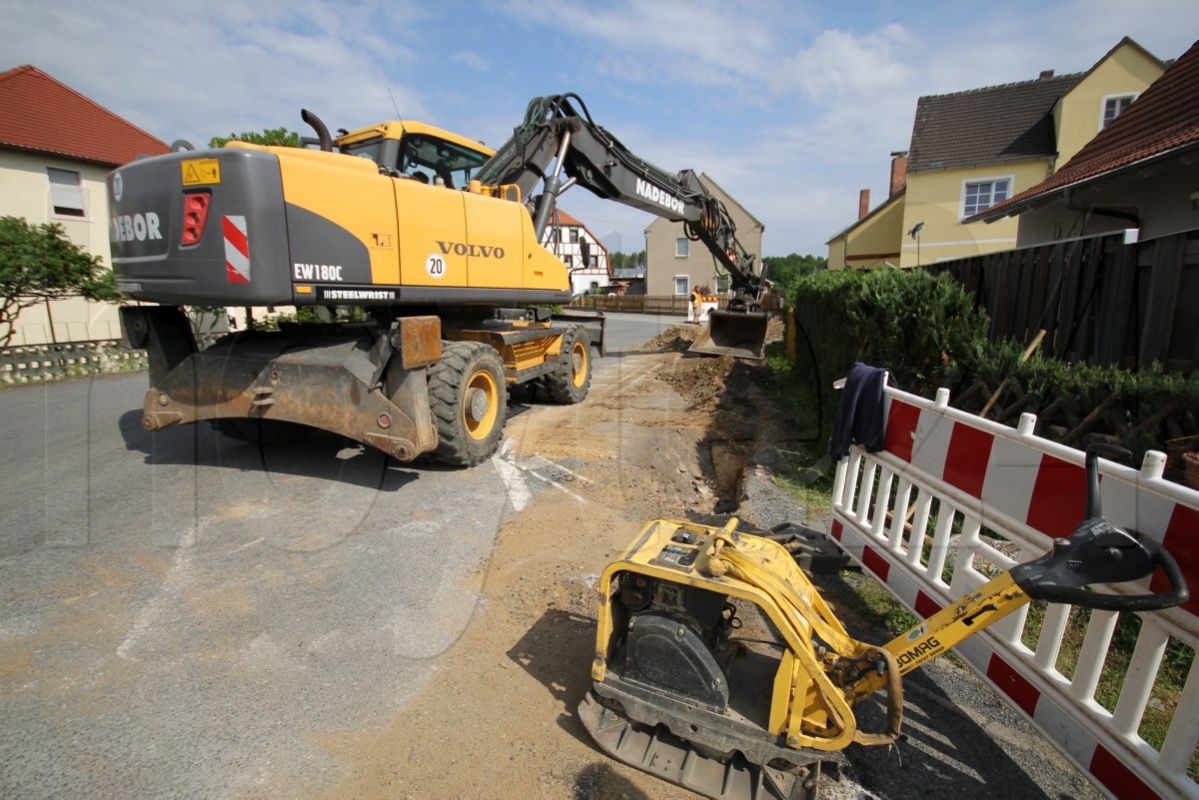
[237, 249]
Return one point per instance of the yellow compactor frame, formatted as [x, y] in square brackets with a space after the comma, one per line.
[823, 671]
[691, 685]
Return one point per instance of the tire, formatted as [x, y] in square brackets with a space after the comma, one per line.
[469, 399]
[571, 381]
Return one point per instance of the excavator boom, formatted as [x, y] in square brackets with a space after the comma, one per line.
[559, 137]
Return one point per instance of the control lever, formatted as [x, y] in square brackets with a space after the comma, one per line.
[1100, 552]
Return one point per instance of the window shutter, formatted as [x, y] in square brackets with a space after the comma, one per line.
[66, 194]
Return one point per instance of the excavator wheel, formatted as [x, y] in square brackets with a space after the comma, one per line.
[571, 381]
[469, 400]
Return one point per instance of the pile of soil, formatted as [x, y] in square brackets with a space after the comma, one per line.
[674, 340]
[776, 331]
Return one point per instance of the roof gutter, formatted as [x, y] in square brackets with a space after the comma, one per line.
[999, 212]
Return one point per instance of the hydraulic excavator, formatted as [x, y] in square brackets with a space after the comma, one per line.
[720, 668]
[434, 240]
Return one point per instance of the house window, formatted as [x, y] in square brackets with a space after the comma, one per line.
[980, 195]
[1114, 106]
[66, 192]
[682, 283]
[722, 284]
[574, 235]
[681, 249]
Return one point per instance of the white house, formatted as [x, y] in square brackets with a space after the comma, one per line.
[564, 238]
[56, 149]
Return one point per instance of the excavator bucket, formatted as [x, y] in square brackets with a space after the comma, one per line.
[733, 333]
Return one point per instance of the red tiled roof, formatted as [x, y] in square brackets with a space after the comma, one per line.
[44, 115]
[1164, 118]
[562, 218]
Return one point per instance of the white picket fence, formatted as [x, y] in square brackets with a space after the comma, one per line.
[36, 363]
[953, 500]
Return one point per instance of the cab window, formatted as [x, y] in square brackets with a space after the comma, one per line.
[368, 148]
[437, 161]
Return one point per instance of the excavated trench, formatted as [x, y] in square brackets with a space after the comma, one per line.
[727, 395]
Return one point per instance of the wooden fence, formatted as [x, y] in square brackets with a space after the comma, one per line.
[1100, 301]
[657, 305]
[637, 303]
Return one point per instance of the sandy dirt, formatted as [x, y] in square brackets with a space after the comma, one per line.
[668, 437]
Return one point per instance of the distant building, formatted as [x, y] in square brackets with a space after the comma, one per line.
[564, 238]
[675, 265]
[56, 149]
[630, 280]
[973, 149]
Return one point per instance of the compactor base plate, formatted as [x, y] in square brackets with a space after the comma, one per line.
[656, 750]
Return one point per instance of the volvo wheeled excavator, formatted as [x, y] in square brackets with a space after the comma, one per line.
[719, 667]
[436, 241]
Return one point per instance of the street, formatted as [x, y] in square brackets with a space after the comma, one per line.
[187, 615]
[182, 610]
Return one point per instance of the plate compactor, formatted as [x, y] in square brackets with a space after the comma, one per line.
[719, 667]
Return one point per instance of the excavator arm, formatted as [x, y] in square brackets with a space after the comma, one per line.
[559, 137]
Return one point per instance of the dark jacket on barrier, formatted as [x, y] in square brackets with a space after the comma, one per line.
[860, 417]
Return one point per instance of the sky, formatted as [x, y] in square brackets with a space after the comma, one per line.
[792, 107]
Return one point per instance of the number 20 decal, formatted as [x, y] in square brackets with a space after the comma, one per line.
[435, 266]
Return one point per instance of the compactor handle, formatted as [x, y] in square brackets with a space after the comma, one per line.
[1100, 552]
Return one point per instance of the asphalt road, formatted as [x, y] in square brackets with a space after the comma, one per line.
[186, 615]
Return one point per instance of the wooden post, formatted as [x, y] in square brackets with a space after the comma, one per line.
[1032, 348]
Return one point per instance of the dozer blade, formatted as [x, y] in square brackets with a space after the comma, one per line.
[655, 750]
[733, 333]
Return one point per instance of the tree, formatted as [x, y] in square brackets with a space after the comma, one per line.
[626, 260]
[270, 137]
[785, 271]
[38, 263]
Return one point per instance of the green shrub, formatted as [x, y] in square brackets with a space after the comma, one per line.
[927, 332]
[914, 324]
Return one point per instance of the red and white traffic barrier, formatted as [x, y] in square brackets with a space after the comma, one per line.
[1009, 493]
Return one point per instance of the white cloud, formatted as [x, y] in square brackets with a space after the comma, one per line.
[698, 41]
[473, 60]
[222, 67]
[792, 106]
[842, 66]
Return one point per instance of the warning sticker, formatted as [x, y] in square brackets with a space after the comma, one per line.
[198, 171]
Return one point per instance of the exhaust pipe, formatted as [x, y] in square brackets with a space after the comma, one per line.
[322, 133]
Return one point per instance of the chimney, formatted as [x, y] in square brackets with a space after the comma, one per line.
[863, 203]
[1046, 74]
[899, 171]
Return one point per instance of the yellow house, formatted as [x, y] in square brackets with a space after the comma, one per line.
[972, 149]
[873, 241]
